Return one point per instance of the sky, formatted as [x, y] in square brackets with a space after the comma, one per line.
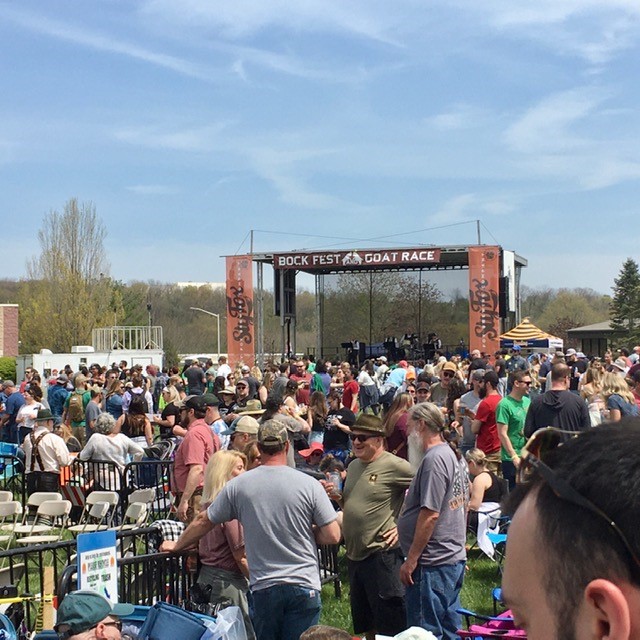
[324, 123]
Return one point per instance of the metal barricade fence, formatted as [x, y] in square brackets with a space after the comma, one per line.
[93, 475]
[23, 567]
[328, 564]
[152, 474]
[12, 476]
[146, 579]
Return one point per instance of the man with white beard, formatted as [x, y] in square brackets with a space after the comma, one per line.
[432, 529]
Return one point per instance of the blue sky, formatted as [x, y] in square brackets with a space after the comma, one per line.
[189, 123]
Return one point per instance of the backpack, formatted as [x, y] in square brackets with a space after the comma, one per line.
[137, 404]
[76, 407]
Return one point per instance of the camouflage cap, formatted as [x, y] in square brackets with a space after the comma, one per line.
[273, 432]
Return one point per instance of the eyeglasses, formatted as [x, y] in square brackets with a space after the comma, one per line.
[358, 437]
[541, 443]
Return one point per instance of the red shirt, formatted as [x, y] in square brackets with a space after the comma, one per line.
[198, 446]
[302, 396]
[488, 440]
[350, 391]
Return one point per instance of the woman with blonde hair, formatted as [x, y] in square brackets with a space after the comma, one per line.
[485, 485]
[170, 415]
[221, 551]
[113, 399]
[618, 398]
[395, 424]
[591, 391]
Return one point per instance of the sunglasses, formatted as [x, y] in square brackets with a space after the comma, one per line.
[358, 437]
[447, 374]
[540, 444]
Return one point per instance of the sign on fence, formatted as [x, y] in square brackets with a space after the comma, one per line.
[97, 566]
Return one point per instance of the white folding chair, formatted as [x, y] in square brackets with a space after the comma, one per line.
[6, 496]
[35, 500]
[52, 516]
[93, 519]
[135, 517]
[9, 512]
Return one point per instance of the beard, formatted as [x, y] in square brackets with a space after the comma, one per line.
[482, 392]
[415, 450]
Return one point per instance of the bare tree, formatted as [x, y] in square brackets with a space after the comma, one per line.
[69, 291]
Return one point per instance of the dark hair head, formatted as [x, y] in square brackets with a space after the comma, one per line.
[492, 378]
[321, 366]
[602, 466]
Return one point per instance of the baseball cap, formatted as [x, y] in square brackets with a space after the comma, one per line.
[62, 378]
[477, 374]
[210, 400]
[516, 347]
[403, 364]
[423, 386]
[245, 369]
[195, 402]
[82, 610]
[382, 358]
[571, 352]
[247, 424]
[229, 391]
[273, 432]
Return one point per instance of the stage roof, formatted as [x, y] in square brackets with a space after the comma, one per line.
[418, 257]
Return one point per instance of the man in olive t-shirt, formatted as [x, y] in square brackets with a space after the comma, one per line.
[372, 498]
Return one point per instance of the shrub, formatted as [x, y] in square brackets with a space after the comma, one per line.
[7, 369]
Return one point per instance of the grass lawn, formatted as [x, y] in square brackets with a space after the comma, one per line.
[480, 578]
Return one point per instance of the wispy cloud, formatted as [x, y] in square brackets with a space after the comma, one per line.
[102, 42]
[471, 206]
[244, 18]
[153, 189]
[548, 124]
[194, 139]
[459, 116]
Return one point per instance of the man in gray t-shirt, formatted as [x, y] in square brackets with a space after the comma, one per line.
[432, 530]
[285, 514]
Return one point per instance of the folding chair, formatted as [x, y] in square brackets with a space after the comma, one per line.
[6, 496]
[9, 512]
[50, 513]
[94, 518]
[135, 517]
[35, 500]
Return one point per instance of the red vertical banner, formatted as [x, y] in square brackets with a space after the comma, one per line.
[484, 308]
[240, 336]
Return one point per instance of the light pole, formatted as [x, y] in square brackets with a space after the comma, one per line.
[217, 317]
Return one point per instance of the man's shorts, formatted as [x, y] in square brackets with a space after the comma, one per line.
[377, 595]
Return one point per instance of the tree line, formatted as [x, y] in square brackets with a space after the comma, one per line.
[68, 291]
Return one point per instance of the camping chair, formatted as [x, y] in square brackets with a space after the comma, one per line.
[50, 513]
[486, 627]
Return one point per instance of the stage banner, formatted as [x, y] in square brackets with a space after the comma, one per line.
[484, 311]
[240, 336]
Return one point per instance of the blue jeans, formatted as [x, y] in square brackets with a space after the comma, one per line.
[509, 473]
[284, 611]
[433, 598]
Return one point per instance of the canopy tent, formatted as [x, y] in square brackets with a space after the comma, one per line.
[527, 335]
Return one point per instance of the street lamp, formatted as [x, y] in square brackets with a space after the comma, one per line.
[217, 317]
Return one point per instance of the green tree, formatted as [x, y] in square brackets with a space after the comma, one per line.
[68, 291]
[624, 310]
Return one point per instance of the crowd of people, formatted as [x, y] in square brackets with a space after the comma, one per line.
[392, 459]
